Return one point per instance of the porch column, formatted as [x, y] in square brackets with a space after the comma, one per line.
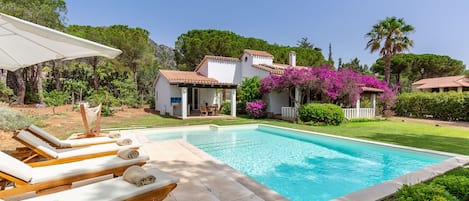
[357, 108]
[184, 102]
[297, 98]
[373, 103]
[233, 102]
[460, 89]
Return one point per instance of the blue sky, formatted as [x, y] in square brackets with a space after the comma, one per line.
[442, 27]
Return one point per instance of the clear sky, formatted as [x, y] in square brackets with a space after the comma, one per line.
[442, 26]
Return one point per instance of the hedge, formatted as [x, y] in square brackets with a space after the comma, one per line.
[445, 106]
[328, 114]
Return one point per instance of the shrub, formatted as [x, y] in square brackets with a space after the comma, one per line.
[328, 114]
[226, 107]
[424, 192]
[256, 109]
[240, 108]
[55, 98]
[445, 106]
[248, 89]
[11, 120]
[151, 102]
[105, 98]
[6, 93]
[456, 185]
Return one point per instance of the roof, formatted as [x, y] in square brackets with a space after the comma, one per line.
[189, 77]
[276, 69]
[371, 89]
[219, 58]
[451, 81]
[258, 53]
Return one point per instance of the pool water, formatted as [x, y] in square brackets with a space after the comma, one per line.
[303, 166]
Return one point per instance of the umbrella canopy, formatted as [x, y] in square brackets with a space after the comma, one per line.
[23, 44]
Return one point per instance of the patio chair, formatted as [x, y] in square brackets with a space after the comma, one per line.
[55, 142]
[121, 190]
[57, 156]
[90, 116]
[203, 110]
[48, 179]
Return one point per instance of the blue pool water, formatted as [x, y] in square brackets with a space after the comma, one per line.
[302, 166]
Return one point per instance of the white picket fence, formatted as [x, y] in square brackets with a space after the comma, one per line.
[351, 113]
[289, 113]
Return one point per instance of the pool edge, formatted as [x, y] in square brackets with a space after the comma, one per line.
[376, 192]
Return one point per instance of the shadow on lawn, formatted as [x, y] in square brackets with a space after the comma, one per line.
[433, 142]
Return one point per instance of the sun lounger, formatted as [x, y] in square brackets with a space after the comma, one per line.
[56, 156]
[55, 142]
[61, 176]
[121, 190]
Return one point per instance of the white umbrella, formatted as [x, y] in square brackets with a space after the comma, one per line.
[23, 44]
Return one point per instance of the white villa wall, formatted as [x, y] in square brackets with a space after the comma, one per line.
[207, 95]
[223, 71]
[204, 69]
[162, 94]
[248, 71]
[276, 101]
[262, 60]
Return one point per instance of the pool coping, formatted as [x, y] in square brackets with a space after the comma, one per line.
[379, 191]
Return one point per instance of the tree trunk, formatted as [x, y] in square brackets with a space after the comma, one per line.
[94, 61]
[39, 84]
[56, 74]
[21, 87]
[3, 75]
[387, 68]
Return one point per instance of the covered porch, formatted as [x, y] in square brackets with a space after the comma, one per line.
[203, 100]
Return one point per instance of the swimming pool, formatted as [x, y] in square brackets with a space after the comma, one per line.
[303, 166]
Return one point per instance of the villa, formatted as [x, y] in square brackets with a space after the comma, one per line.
[214, 80]
[458, 83]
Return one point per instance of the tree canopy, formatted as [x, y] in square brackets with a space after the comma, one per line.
[191, 47]
[408, 68]
[389, 36]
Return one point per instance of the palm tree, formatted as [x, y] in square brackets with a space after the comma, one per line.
[392, 32]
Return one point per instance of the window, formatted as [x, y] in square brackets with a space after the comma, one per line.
[246, 59]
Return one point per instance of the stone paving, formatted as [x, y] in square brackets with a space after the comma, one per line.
[202, 177]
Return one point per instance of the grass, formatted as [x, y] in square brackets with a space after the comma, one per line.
[447, 139]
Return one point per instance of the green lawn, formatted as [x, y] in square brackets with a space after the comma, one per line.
[411, 134]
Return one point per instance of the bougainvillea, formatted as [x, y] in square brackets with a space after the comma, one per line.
[256, 109]
[326, 85]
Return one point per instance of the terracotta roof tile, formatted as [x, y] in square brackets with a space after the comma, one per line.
[189, 77]
[274, 68]
[258, 53]
[220, 58]
[451, 81]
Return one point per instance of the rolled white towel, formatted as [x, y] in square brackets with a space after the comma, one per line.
[124, 142]
[128, 154]
[138, 176]
[114, 135]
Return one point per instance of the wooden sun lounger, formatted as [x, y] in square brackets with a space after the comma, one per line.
[55, 142]
[47, 179]
[58, 156]
[121, 190]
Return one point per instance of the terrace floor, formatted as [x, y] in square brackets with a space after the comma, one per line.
[202, 177]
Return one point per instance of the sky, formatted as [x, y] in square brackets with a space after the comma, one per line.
[442, 26]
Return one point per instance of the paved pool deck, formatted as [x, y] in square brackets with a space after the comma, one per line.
[202, 177]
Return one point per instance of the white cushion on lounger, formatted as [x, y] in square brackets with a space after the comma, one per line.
[14, 167]
[114, 189]
[70, 152]
[47, 173]
[44, 134]
[68, 143]
[79, 151]
[36, 142]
